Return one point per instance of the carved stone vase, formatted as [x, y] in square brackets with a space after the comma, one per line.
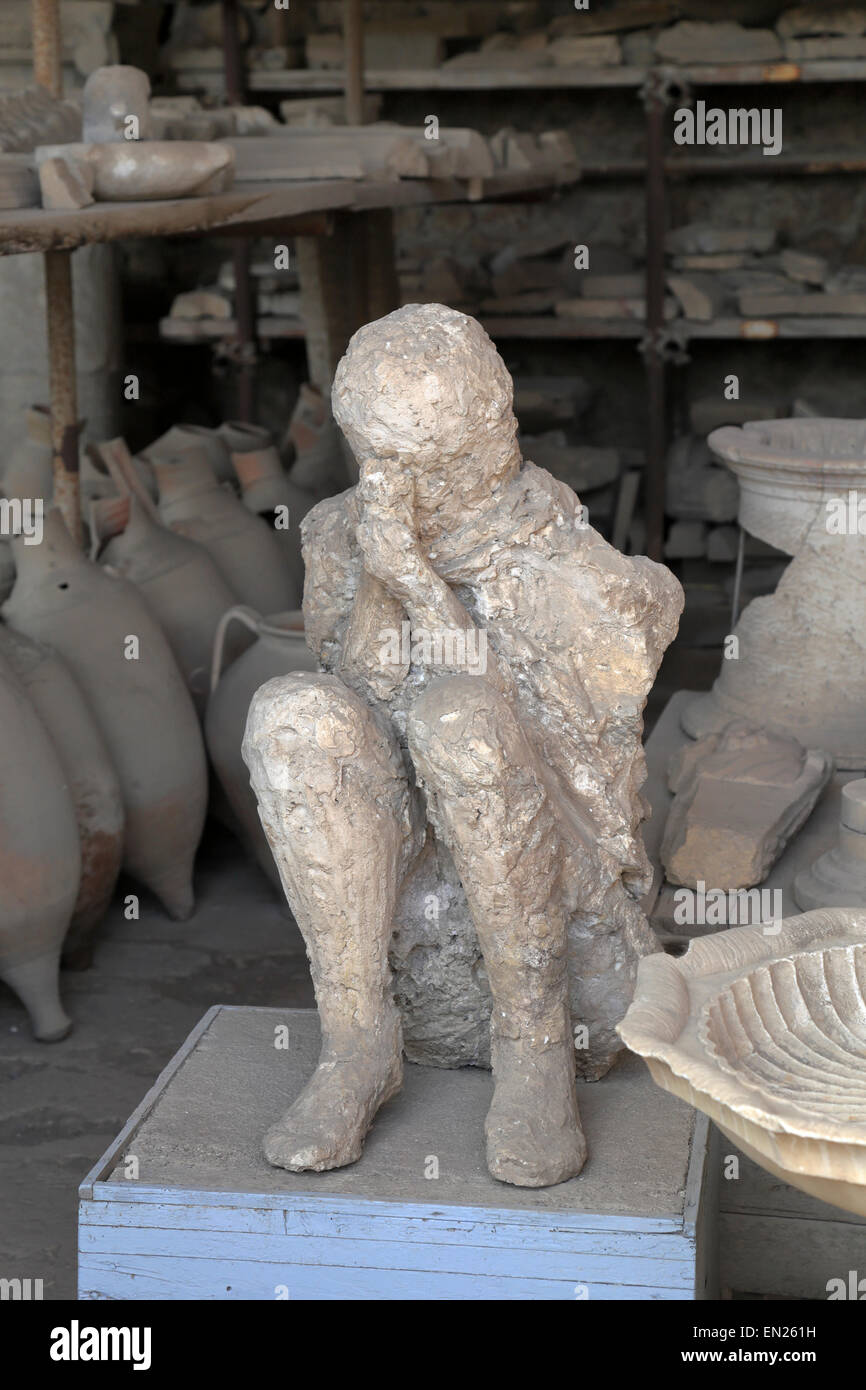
[800, 663]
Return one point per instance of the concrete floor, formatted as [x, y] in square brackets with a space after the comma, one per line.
[61, 1104]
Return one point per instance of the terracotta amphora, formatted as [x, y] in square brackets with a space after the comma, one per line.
[179, 582]
[90, 778]
[180, 439]
[267, 491]
[123, 663]
[243, 547]
[28, 470]
[40, 860]
[279, 648]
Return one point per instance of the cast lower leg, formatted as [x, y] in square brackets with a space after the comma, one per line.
[334, 803]
[492, 809]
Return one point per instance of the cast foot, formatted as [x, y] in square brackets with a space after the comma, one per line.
[327, 1125]
[533, 1129]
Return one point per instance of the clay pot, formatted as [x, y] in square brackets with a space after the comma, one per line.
[40, 860]
[279, 648]
[90, 779]
[141, 705]
[172, 446]
[111, 94]
[242, 546]
[267, 491]
[240, 437]
[7, 571]
[320, 466]
[179, 582]
[29, 466]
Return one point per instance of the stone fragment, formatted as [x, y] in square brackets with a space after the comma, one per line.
[723, 544]
[719, 260]
[201, 304]
[65, 184]
[801, 266]
[585, 308]
[686, 540]
[700, 297]
[582, 466]
[818, 50]
[739, 796]
[698, 41]
[838, 878]
[708, 413]
[848, 279]
[696, 488]
[755, 304]
[804, 20]
[704, 238]
[638, 51]
[591, 51]
[761, 280]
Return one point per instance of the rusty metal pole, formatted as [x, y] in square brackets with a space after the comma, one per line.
[654, 491]
[65, 425]
[45, 26]
[60, 312]
[353, 61]
[246, 350]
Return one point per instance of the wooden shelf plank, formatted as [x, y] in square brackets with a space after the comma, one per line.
[268, 326]
[548, 326]
[540, 79]
[246, 208]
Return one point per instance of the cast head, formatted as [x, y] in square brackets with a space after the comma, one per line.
[427, 386]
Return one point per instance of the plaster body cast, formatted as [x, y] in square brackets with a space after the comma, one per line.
[384, 785]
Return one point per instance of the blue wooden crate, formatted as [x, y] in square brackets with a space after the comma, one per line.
[184, 1206]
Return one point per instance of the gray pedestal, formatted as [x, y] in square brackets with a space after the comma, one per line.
[183, 1205]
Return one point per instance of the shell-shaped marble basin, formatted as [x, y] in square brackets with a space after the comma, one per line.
[766, 1033]
[788, 468]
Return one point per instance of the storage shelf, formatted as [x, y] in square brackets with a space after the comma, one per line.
[297, 80]
[271, 327]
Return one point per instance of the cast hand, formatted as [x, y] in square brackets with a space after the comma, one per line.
[386, 531]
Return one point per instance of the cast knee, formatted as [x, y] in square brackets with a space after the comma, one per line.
[306, 714]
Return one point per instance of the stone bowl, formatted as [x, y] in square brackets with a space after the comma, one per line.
[765, 1031]
[787, 469]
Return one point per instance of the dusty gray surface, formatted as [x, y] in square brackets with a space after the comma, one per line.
[61, 1105]
[205, 1131]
